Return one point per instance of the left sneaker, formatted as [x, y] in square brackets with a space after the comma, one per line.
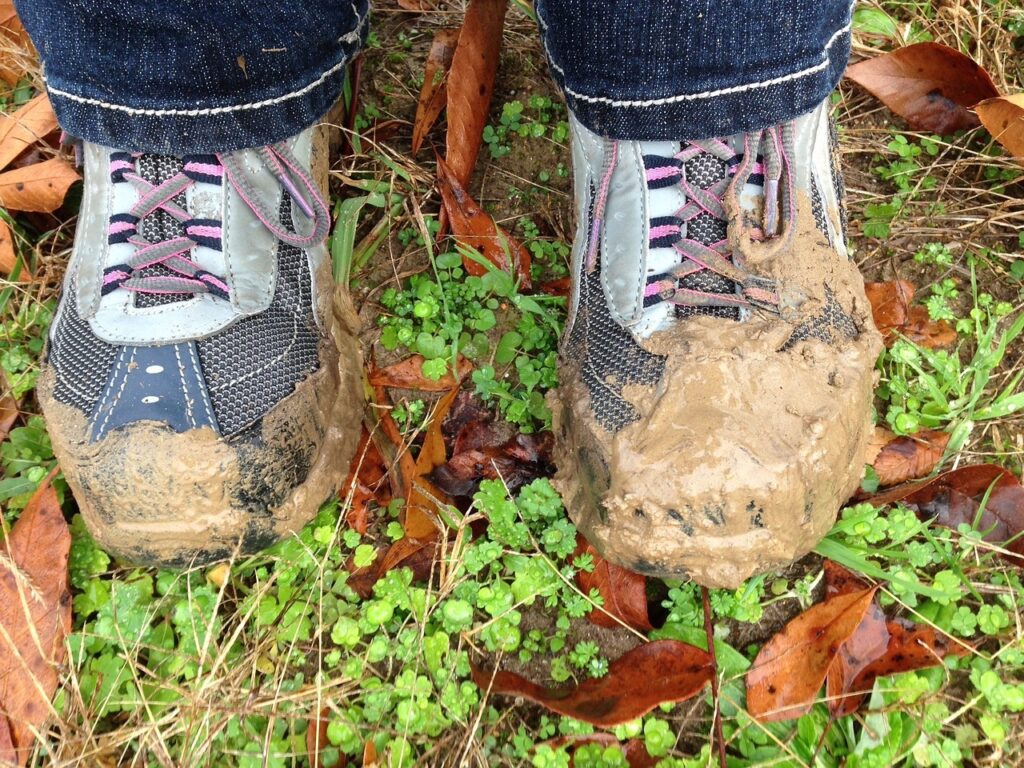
[716, 373]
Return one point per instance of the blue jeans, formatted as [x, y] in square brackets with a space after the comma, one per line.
[193, 76]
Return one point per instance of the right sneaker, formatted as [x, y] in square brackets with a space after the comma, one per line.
[202, 383]
[715, 381]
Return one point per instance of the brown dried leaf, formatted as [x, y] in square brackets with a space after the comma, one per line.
[1003, 117]
[21, 129]
[12, 66]
[434, 92]
[624, 592]
[474, 228]
[317, 741]
[415, 5]
[40, 187]
[408, 374]
[35, 612]
[471, 84]
[651, 674]
[894, 316]
[908, 458]
[7, 255]
[930, 85]
[423, 500]
[365, 484]
[8, 413]
[789, 671]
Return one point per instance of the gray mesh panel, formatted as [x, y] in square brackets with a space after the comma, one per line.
[256, 362]
[81, 362]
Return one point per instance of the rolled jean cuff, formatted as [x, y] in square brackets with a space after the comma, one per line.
[256, 119]
[658, 109]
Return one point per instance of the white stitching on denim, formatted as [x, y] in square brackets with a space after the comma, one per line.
[695, 96]
[351, 37]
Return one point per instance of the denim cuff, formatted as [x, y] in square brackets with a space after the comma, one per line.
[692, 110]
[257, 118]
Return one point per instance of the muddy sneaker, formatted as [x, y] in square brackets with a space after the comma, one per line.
[201, 383]
[716, 374]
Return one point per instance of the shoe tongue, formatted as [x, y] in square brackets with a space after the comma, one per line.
[701, 171]
[160, 225]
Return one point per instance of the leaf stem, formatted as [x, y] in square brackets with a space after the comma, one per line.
[709, 629]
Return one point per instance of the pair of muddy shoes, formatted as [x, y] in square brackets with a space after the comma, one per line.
[202, 382]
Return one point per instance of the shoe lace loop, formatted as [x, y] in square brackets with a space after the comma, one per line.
[182, 275]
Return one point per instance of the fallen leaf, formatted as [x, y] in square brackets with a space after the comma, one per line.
[7, 751]
[475, 228]
[17, 47]
[878, 647]
[414, 5]
[624, 592]
[35, 614]
[21, 129]
[471, 84]
[654, 673]
[7, 255]
[424, 499]
[369, 754]
[911, 457]
[880, 438]
[894, 316]
[408, 374]
[953, 498]
[40, 188]
[317, 741]
[365, 485]
[434, 92]
[1003, 117]
[931, 86]
[790, 669]
[418, 555]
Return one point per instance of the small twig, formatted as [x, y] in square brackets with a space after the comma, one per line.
[709, 629]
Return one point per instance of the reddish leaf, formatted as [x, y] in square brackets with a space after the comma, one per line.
[930, 85]
[474, 228]
[894, 316]
[317, 741]
[365, 484]
[7, 252]
[559, 287]
[7, 751]
[369, 754]
[423, 499]
[21, 129]
[908, 458]
[418, 555]
[35, 613]
[791, 667]
[654, 673]
[624, 592]
[408, 374]
[1003, 116]
[879, 647]
[471, 84]
[8, 412]
[40, 188]
[434, 92]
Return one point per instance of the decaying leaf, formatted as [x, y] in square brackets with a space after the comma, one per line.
[1003, 117]
[408, 374]
[40, 187]
[931, 86]
[471, 84]
[895, 316]
[7, 253]
[21, 129]
[434, 92]
[475, 228]
[624, 592]
[651, 674]
[953, 498]
[790, 669]
[365, 485]
[423, 499]
[16, 44]
[911, 457]
[35, 614]
[317, 741]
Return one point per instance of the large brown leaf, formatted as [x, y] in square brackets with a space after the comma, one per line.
[789, 671]
[624, 592]
[654, 673]
[40, 187]
[930, 85]
[895, 316]
[21, 129]
[1003, 116]
[35, 616]
[15, 46]
[908, 458]
[475, 228]
[954, 498]
[434, 92]
[471, 84]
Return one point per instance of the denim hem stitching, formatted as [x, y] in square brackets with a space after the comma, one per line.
[823, 64]
[348, 39]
